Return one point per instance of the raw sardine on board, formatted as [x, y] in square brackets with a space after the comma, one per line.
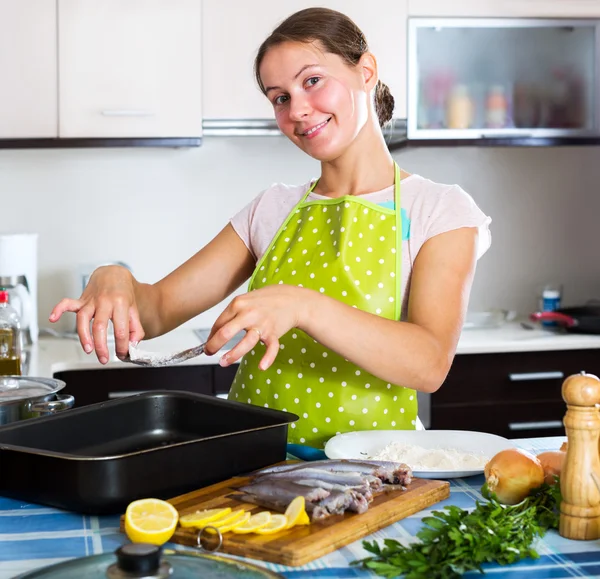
[329, 487]
[283, 491]
[388, 471]
[342, 465]
[363, 490]
[348, 479]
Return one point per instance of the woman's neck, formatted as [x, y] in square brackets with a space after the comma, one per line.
[366, 166]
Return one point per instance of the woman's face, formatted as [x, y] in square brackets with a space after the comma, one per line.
[320, 102]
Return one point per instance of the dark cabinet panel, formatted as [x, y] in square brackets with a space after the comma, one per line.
[518, 376]
[223, 378]
[508, 419]
[515, 394]
[90, 386]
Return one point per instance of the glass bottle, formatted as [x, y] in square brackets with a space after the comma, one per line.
[496, 108]
[460, 109]
[10, 338]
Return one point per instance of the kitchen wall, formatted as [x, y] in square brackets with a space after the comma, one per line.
[153, 208]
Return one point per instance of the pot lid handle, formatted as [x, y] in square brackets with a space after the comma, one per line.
[139, 559]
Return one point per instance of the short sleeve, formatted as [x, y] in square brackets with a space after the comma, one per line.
[453, 208]
[242, 222]
[258, 222]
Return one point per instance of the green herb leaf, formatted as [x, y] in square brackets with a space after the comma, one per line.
[454, 541]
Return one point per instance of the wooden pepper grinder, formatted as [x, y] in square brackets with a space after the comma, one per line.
[580, 476]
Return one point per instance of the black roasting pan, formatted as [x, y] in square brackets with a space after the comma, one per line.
[98, 458]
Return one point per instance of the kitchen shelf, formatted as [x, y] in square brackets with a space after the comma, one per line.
[98, 143]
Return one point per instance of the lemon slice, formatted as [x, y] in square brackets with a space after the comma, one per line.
[228, 520]
[150, 521]
[234, 524]
[296, 513]
[276, 524]
[241, 520]
[201, 518]
[254, 523]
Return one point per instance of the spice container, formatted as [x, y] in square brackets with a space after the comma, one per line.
[550, 300]
[496, 108]
[10, 338]
[460, 108]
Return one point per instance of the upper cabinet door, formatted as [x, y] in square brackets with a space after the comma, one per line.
[477, 78]
[130, 69]
[507, 8]
[230, 44]
[28, 99]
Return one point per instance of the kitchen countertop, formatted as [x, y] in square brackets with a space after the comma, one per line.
[52, 354]
[32, 536]
[512, 337]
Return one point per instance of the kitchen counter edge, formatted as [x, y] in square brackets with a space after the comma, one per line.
[50, 355]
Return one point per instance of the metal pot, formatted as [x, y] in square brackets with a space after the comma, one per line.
[23, 397]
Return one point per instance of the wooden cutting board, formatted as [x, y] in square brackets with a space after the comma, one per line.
[299, 545]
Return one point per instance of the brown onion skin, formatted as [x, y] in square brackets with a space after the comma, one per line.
[512, 474]
[553, 462]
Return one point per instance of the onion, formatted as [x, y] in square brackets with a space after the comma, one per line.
[552, 463]
[512, 474]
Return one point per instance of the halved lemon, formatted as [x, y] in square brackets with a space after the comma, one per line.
[201, 518]
[296, 513]
[277, 523]
[150, 521]
[255, 522]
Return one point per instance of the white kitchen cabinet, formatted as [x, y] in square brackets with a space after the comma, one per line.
[505, 8]
[230, 43]
[28, 99]
[130, 69]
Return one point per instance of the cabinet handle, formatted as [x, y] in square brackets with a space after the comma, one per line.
[535, 425]
[125, 393]
[521, 377]
[128, 113]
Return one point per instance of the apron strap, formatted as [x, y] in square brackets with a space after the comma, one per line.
[398, 206]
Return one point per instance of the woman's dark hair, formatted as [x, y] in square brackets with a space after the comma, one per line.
[337, 34]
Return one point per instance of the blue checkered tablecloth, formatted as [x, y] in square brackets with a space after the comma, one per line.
[32, 536]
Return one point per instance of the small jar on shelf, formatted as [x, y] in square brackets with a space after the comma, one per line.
[496, 108]
[459, 108]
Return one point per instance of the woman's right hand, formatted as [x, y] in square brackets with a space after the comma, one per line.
[109, 295]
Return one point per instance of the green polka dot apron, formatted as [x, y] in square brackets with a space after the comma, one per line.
[349, 249]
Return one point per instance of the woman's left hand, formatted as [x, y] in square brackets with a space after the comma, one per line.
[266, 314]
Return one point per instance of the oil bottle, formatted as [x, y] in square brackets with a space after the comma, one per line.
[10, 338]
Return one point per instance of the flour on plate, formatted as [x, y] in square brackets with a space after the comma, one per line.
[419, 458]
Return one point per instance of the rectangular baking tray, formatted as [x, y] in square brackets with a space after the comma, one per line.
[98, 458]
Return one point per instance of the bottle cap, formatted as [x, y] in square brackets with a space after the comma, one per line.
[3, 297]
[551, 294]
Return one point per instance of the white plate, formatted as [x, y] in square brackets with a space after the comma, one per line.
[361, 444]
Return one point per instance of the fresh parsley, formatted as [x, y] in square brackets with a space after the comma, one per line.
[455, 541]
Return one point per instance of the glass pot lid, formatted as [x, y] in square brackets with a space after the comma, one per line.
[180, 564]
[14, 388]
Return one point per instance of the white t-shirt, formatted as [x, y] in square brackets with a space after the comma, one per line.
[431, 208]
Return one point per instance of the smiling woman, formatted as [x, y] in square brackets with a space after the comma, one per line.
[332, 67]
[359, 279]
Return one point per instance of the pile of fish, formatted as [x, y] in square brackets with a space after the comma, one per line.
[329, 487]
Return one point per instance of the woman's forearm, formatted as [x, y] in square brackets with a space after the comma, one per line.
[401, 353]
[148, 303]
